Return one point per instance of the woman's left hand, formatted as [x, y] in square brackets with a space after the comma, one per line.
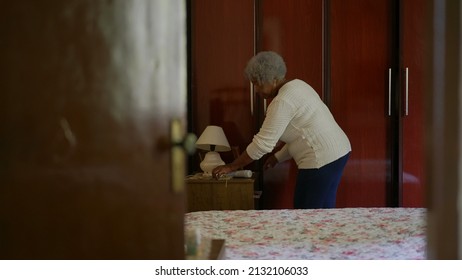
[270, 162]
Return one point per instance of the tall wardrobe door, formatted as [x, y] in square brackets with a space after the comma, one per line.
[360, 34]
[222, 43]
[413, 14]
[294, 31]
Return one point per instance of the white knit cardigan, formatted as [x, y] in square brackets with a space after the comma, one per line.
[298, 117]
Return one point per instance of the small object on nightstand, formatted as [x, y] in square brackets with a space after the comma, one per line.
[241, 174]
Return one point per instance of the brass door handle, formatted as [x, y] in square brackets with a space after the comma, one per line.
[178, 139]
[179, 145]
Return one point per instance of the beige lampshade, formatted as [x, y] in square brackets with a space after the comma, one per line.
[213, 136]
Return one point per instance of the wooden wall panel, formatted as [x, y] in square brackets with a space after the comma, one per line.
[222, 43]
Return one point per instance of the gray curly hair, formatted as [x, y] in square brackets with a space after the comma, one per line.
[265, 67]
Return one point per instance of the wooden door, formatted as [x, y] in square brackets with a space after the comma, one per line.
[87, 89]
[294, 30]
[222, 41]
[444, 130]
[360, 58]
[413, 16]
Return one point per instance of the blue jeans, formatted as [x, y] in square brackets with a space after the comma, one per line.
[317, 188]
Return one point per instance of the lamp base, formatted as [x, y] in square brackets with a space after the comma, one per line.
[211, 160]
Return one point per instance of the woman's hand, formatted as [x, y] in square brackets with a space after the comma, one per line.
[270, 162]
[240, 162]
[221, 170]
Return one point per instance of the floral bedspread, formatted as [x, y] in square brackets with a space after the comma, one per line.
[341, 233]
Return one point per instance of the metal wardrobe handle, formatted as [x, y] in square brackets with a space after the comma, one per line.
[389, 91]
[406, 111]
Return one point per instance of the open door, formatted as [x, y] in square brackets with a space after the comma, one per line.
[87, 89]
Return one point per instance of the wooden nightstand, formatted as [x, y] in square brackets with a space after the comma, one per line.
[211, 194]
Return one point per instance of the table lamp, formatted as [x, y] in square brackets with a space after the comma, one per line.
[213, 139]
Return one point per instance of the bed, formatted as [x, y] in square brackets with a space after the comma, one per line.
[341, 233]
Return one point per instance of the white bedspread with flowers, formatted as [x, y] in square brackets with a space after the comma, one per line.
[341, 233]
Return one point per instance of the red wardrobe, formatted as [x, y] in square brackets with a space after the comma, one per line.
[364, 58]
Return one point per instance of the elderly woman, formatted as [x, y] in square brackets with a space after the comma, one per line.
[299, 118]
